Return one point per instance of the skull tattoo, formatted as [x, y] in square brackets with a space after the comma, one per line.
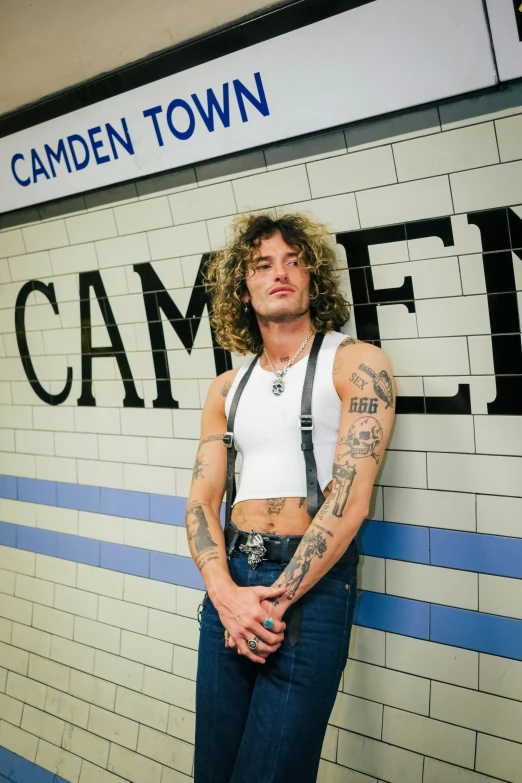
[363, 437]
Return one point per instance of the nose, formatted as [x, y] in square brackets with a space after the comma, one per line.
[281, 272]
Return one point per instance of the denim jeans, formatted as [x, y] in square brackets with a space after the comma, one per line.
[265, 723]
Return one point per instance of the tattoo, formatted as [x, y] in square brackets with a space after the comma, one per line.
[237, 514]
[363, 437]
[358, 381]
[199, 467]
[211, 437]
[301, 502]
[320, 527]
[344, 475]
[275, 505]
[198, 532]
[274, 601]
[313, 544]
[284, 358]
[225, 388]
[382, 384]
[338, 363]
[347, 341]
[363, 405]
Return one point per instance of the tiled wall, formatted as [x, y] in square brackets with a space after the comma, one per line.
[98, 594]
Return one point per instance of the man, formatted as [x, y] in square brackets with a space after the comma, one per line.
[281, 583]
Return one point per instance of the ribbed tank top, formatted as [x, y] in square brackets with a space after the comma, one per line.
[267, 433]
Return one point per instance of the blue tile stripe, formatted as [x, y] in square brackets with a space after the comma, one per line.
[16, 769]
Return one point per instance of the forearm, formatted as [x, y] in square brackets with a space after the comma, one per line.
[322, 545]
[207, 546]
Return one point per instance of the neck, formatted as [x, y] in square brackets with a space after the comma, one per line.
[283, 339]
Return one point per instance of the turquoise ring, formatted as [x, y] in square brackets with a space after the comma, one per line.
[269, 623]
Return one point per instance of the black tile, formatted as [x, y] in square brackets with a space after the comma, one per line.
[404, 404]
[507, 354]
[508, 401]
[460, 403]
[515, 227]
[356, 243]
[503, 313]
[366, 323]
[498, 272]
[493, 225]
[434, 227]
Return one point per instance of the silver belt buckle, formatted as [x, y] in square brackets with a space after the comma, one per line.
[254, 547]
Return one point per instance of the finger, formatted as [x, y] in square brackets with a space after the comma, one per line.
[278, 626]
[244, 649]
[268, 592]
[268, 637]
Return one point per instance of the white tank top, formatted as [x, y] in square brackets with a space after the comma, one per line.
[267, 433]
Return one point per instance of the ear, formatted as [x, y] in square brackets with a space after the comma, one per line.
[245, 298]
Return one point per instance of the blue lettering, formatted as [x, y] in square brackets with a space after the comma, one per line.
[38, 166]
[259, 103]
[96, 144]
[181, 104]
[126, 142]
[213, 103]
[152, 114]
[23, 182]
[51, 154]
[85, 162]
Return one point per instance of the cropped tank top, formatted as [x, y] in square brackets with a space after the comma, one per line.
[267, 433]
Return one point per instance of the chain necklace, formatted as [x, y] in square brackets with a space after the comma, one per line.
[278, 385]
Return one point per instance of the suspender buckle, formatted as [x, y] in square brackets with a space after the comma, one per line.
[228, 439]
[306, 422]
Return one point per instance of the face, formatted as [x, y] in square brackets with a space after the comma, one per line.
[278, 288]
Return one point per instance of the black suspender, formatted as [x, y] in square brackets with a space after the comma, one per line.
[315, 497]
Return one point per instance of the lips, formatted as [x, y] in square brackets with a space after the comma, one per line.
[281, 288]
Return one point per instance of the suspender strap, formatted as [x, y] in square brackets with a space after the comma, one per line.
[314, 495]
[228, 440]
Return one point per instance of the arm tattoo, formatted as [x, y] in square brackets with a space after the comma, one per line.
[275, 505]
[363, 405]
[358, 381]
[199, 468]
[362, 439]
[347, 341]
[219, 436]
[313, 544]
[382, 384]
[338, 362]
[199, 534]
[225, 388]
[344, 475]
[301, 502]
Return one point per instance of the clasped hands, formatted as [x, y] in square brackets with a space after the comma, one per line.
[242, 611]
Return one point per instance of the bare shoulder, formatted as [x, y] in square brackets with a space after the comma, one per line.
[365, 367]
[220, 387]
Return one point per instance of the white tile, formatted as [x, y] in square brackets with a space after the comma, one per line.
[167, 750]
[12, 608]
[170, 688]
[435, 661]
[143, 649]
[95, 225]
[466, 111]
[400, 128]
[509, 134]
[113, 727]
[67, 707]
[500, 596]
[355, 171]
[174, 628]
[143, 709]
[80, 258]
[242, 165]
[118, 670]
[430, 737]
[499, 516]
[359, 715]
[86, 745]
[31, 639]
[149, 592]
[93, 774]
[7, 583]
[99, 635]
[371, 574]
[475, 473]
[395, 321]
[272, 188]
[499, 435]
[204, 203]
[92, 690]
[501, 676]
[49, 672]
[42, 725]
[11, 243]
[56, 570]
[371, 757]
[449, 510]
[18, 741]
[476, 710]
[402, 468]
[493, 186]
[442, 153]
[386, 686]
[338, 213]
[428, 356]
[11, 709]
[335, 773]
[123, 615]
[27, 267]
[77, 602]
[440, 772]
[13, 659]
[185, 662]
[453, 316]
[143, 216]
[431, 277]
[53, 621]
[178, 241]
[97, 473]
[72, 654]
[481, 355]
[430, 432]
[428, 583]
[499, 758]
[151, 535]
[100, 580]
[58, 761]
[132, 766]
[482, 389]
[182, 723]
[123, 251]
[405, 202]
[45, 236]
[119, 448]
[98, 420]
[472, 274]
[69, 444]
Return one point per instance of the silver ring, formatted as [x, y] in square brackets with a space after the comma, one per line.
[252, 643]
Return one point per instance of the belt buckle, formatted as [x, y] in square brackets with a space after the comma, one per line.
[254, 547]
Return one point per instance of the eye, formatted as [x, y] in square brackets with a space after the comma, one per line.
[263, 266]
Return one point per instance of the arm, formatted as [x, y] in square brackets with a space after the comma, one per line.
[364, 382]
[239, 608]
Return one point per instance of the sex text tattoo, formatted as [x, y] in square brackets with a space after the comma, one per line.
[358, 381]
[199, 533]
[382, 384]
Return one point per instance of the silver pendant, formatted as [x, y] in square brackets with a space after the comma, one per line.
[254, 547]
[278, 385]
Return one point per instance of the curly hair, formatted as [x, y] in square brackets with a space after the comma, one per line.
[226, 271]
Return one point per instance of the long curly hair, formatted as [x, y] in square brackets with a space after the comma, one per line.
[226, 272]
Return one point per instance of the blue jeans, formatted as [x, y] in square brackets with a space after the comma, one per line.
[265, 723]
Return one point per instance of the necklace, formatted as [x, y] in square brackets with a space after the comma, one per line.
[278, 385]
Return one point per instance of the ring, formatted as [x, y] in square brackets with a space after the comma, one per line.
[252, 643]
[227, 634]
[269, 622]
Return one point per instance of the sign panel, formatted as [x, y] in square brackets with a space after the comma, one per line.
[380, 57]
[505, 18]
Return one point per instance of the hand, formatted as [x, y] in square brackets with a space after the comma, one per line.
[242, 614]
[274, 611]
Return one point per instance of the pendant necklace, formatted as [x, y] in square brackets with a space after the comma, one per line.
[278, 385]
